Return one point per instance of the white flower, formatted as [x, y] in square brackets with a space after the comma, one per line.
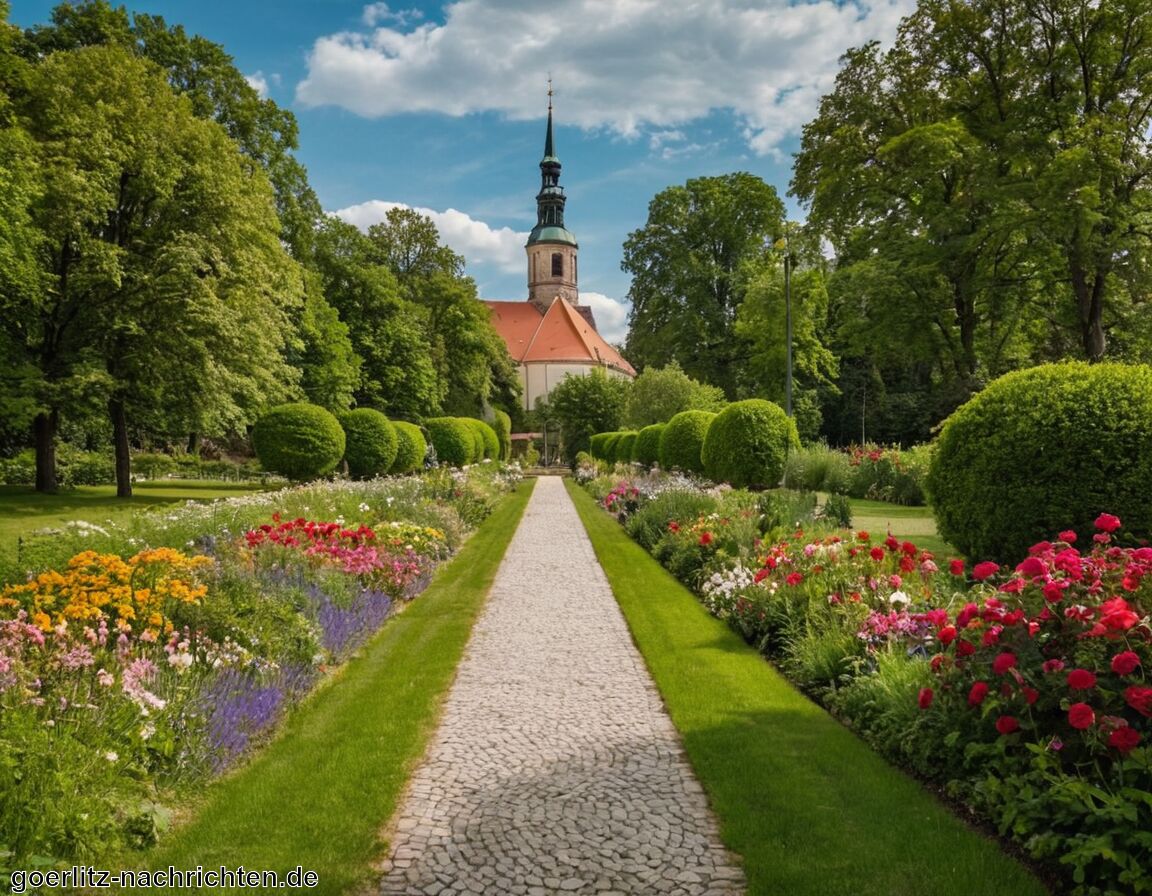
[899, 597]
[364, 508]
[112, 756]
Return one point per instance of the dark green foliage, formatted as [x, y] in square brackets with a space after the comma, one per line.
[371, 443]
[625, 447]
[610, 444]
[748, 443]
[647, 448]
[585, 405]
[300, 441]
[682, 439]
[502, 423]
[411, 446]
[1044, 450]
[489, 441]
[649, 524]
[837, 511]
[454, 440]
[597, 445]
[782, 510]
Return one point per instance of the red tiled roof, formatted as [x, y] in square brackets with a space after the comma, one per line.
[561, 335]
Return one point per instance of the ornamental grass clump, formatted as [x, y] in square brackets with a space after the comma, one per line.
[1044, 449]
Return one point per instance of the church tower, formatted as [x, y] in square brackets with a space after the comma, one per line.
[551, 248]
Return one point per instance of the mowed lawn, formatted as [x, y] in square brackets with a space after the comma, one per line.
[24, 510]
[914, 524]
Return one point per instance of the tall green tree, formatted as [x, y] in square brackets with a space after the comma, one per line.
[166, 277]
[586, 405]
[994, 164]
[660, 393]
[689, 265]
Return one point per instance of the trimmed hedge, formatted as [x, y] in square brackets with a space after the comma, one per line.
[1043, 450]
[411, 446]
[489, 441]
[610, 444]
[502, 424]
[300, 441]
[597, 445]
[625, 447]
[370, 443]
[454, 440]
[682, 439]
[747, 444]
[646, 450]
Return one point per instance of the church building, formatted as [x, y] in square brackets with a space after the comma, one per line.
[552, 334]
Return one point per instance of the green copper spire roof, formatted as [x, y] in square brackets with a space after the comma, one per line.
[550, 200]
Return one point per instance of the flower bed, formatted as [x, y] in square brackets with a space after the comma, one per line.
[1022, 692]
[133, 668]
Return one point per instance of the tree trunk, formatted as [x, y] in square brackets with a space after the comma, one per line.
[44, 431]
[120, 440]
[194, 443]
[1090, 301]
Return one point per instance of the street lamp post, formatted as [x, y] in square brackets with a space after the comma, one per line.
[788, 332]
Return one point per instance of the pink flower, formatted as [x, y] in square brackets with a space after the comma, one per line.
[1003, 663]
[1124, 739]
[1032, 567]
[985, 570]
[1068, 536]
[1053, 665]
[1081, 680]
[956, 567]
[1107, 523]
[1125, 663]
[1081, 716]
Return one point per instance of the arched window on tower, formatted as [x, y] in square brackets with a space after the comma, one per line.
[557, 264]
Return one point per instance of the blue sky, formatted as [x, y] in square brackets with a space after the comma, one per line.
[441, 106]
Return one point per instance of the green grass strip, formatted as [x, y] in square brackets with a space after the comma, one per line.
[811, 808]
[319, 795]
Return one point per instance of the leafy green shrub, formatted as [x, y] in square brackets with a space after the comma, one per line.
[611, 441]
[837, 511]
[782, 510]
[890, 474]
[682, 439]
[650, 523]
[300, 441]
[411, 447]
[502, 424]
[747, 444]
[153, 465]
[646, 449]
[370, 443]
[453, 439]
[489, 441]
[597, 445]
[77, 467]
[1045, 450]
[625, 447]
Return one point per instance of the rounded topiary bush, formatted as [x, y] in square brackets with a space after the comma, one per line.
[502, 424]
[610, 443]
[646, 449]
[489, 441]
[411, 446]
[625, 446]
[300, 441]
[597, 445]
[1043, 450]
[370, 443]
[748, 443]
[682, 439]
[454, 440]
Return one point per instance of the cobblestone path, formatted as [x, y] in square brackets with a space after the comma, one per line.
[555, 768]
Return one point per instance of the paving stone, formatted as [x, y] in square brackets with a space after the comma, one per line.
[555, 754]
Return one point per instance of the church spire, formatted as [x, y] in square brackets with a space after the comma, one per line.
[551, 247]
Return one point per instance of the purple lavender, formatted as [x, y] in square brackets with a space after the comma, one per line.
[343, 627]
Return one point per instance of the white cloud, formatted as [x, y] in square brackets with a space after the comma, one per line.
[631, 66]
[611, 315]
[375, 13]
[475, 240]
[259, 83]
